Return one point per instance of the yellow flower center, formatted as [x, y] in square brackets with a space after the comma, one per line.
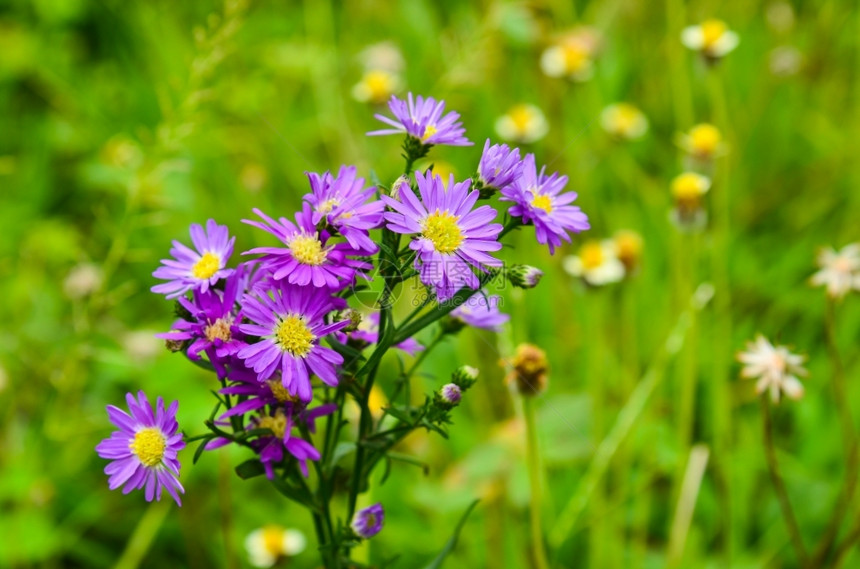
[591, 255]
[328, 205]
[576, 56]
[280, 392]
[688, 188]
[308, 250]
[276, 424]
[843, 265]
[294, 336]
[704, 139]
[273, 540]
[712, 31]
[442, 230]
[625, 118]
[220, 330]
[149, 445]
[207, 266]
[429, 131]
[542, 201]
[629, 246]
[522, 116]
[379, 85]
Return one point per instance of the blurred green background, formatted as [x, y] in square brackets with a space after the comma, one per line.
[123, 122]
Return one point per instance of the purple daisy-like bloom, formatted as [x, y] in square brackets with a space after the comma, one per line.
[452, 237]
[196, 270]
[215, 325]
[500, 165]
[343, 203]
[481, 311]
[422, 119]
[367, 522]
[143, 451]
[288, 319]
[307, 258]
[538, 199]
[368, 332]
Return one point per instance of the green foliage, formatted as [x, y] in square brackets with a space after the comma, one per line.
[124, 122]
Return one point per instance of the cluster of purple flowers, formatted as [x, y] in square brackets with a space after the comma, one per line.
[261, 324]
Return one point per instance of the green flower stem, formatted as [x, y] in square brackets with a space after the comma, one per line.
[722, 321]
[406, 378]
[627, 418]
[849, 440]
[779, 485]
[534, 466]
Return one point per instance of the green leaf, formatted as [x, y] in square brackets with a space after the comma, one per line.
[251, 468]
[295, 494]
[342, 449]
[452, 543]
[200, 448]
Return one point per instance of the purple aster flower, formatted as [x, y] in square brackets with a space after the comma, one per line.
[452, 238]
[307, 258]
[422, 119]
[537, 199]
[499, 166]
[368, 333]
[196, 270]
[215, 325]
[451, 394]
[367, 522]
[288, 319]
[143, 451]
[282, 422]
[342, 203]
[481, 311]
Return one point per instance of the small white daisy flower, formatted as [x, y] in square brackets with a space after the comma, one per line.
[775, 368]
[268, 544]
[596, 263]
[522, 123]
[624, 121]
[839, 270]
[712, 38]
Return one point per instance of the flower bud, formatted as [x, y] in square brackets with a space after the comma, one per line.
[398, 183]
[525, 276]
[354, 317]
[451, 394]
[175, 345]
[464, 377]
[530, 370]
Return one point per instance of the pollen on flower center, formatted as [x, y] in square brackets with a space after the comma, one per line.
[294, 336]
[207, 266]
[276, 424]
[712, 31]
[429, 131]
[273, 540]
[442, 230]
[148, 445]
[542, 201]
[308, 250]
[591, 255]
[704, 139]
[280, 392]
[575, 56]
[328, 205]
[219, 330]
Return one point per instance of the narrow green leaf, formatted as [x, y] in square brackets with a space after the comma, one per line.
[452, 543]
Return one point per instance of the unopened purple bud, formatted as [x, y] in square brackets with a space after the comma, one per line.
[451, 393]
